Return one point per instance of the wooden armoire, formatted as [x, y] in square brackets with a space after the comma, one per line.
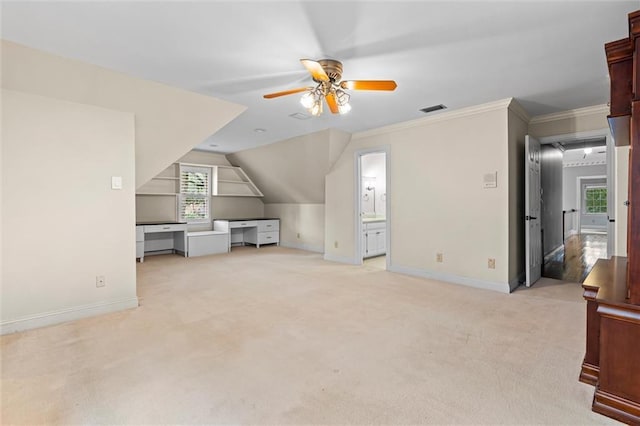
[612, 289]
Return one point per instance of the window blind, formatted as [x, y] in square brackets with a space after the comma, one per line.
[195, 194]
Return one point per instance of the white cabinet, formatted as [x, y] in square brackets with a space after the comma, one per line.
[266, 232]
[208, 242]
[374, 239]
[249, 231]
[140, 243]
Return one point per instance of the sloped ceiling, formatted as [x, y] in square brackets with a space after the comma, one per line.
[294, 170]
[169, 122]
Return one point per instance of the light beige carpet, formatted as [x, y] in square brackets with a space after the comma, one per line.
[279, 336]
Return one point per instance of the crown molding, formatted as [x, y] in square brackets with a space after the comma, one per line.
[517, 109]
[572, 113]
[444, 116]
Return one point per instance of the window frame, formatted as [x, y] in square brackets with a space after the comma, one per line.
[603, 199]
[205, 196]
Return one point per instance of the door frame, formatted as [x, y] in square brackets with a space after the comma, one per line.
[386, 149]
[611, 175]
[580, 197]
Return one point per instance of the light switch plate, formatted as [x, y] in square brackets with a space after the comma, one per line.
[116, 182]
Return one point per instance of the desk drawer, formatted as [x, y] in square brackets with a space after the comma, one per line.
[268, 237]
[242, 224]
[268, 225]
[165, 228]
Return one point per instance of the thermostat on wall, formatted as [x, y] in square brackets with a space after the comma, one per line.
[490, 180]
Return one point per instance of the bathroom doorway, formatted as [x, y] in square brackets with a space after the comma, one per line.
[372, 228]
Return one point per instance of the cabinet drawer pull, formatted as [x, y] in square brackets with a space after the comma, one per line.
[166, 227]
[243, 224]
[269, 226]
[268, 238]
[378, 233]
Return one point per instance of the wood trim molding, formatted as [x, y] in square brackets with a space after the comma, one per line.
[572, 113]
[517, 109]
[589, 373]
[616, 407]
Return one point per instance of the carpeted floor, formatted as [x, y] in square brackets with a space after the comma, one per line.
[279, 336]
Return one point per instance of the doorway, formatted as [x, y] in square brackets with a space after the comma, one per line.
[372, 208]
[577, 204]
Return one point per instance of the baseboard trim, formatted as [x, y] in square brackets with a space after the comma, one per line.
[340, 259]
[306, 247]
[455, 279]
[65, 315]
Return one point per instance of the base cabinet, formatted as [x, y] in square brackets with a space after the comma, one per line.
[249, 231]
[374, 239]
[140, 243]
[266, 232]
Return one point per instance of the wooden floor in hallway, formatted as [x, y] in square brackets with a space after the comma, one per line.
[574, 261]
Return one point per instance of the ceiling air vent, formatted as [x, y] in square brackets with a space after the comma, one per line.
[300, 116]
[427, 110]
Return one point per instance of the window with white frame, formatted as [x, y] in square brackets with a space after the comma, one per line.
[595, 199]
[195, 198]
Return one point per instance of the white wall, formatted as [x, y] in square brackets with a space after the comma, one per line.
[438, 202]
[291, 174]
[60, 217]
[292, 171]
[301, 225]
[374, 174]
[169, 121]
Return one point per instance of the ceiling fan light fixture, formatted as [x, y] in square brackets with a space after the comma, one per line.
[316, 109]
[344, 108]
[307, 100]
[327, 74]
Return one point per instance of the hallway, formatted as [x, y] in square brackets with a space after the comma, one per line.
[574, 262]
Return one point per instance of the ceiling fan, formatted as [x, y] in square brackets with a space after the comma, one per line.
[327, 73]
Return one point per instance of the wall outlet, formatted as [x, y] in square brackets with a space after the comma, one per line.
[100, 281]
[298, 235]
[491, 263]
[335, 244]
[439, 257]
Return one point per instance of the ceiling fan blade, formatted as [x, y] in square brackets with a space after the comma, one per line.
[332, 102]
[369, 84]
[286, 92]
[317, 72]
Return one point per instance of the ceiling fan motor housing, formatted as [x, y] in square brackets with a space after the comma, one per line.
[333, 69]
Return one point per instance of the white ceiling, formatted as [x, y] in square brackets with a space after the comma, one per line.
[548, 55]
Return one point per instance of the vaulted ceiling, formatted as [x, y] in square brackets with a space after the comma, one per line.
[547, 54]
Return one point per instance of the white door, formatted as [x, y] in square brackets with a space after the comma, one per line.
[533, 234]
[381, 241]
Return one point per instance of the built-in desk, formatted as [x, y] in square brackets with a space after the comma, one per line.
[160, 237]
[257, 231]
